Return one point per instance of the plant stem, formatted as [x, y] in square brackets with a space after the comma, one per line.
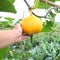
[50, 3]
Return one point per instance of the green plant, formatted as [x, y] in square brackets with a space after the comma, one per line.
[44, 46]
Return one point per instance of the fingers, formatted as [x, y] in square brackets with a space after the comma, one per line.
[18, 28]
[24, 37]
[21, 36]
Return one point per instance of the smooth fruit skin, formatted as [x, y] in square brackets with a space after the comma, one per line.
[32, 25]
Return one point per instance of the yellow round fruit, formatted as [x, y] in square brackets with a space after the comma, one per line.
[32, 25]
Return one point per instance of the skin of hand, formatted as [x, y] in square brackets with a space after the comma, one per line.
[21, 36]
[8, 37]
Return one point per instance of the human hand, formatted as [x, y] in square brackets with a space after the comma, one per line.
[20, 36]
[8, 37]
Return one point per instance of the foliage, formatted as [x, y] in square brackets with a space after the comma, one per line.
[7, 6]
[47, 49]
[38, 4]
[3, 52]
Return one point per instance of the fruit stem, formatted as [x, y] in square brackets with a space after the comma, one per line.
[31, 38]
[30, 12]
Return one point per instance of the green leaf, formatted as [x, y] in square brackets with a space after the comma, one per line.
[3, 52]
[7, 6]
[48, 26]
[9, 18]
